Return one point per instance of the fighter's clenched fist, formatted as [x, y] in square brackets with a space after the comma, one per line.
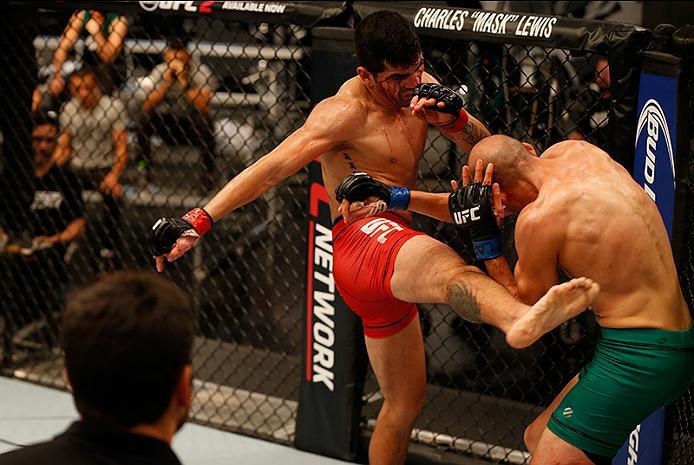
[172, 237]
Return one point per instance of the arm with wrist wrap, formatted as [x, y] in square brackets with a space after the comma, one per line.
[358, 187]
[453, 105]
[471, 208]
[166, 231]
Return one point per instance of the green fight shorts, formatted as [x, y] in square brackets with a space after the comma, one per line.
[633, 372]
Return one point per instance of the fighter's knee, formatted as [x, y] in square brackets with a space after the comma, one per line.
[420, 399]
[415, 401]
[460, 297]
[405, 409]
[462, 275]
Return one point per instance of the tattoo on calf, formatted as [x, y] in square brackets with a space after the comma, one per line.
[352, 166]
[464, 303]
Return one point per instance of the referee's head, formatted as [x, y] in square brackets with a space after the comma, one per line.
[128, 340]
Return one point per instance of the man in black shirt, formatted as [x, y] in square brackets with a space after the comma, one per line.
[128, 342]
[38, 235]
[55, 217]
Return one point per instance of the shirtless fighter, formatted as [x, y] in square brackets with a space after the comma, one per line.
[377, 122]
[581, 211]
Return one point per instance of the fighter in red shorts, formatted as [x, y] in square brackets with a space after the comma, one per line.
[363, 264]
[377, 123]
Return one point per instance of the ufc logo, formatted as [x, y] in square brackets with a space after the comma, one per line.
[380, 225]
[464, 216]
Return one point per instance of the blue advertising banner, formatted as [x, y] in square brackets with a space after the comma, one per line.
[656, 142]
[654, 170]
[645, 444]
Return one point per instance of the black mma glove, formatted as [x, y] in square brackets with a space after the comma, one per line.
[453, 101]
[471, 207]
[166, 231]
[357, 187]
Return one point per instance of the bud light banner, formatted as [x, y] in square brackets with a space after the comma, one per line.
[654, 169]
[645, 444]
[656, 142]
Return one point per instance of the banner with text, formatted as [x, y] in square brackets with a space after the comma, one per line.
[330, 394]
[654, 170]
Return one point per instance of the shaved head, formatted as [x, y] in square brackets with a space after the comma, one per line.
[506, 153]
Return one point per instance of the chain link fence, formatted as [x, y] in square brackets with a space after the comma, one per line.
[176, 105]
[181, 106]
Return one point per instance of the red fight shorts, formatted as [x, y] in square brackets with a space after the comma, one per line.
[364, 254]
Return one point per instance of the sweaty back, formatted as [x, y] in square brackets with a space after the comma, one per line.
[613, 234]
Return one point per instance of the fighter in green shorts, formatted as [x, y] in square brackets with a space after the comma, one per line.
[633, 372]
[581, 211]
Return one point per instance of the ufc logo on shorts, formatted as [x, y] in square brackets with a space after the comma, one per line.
[463, 216]
[380, 225]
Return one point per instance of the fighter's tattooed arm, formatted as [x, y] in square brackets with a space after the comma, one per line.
[473, 132]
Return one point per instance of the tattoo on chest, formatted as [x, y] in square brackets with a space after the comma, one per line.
[464, 303]
[350, 162]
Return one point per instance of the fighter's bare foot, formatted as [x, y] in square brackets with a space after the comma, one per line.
[562, 302]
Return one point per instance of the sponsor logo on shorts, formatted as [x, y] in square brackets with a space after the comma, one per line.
[653, 123]
[568, 412]
[382, 226]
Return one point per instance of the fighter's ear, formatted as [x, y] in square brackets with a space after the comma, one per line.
[529, 148]
[184, 387]
[366, 77]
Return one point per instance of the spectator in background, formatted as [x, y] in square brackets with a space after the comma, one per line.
[586, 118]
[128, 342]
[105, 34]
[57, 218]
[178, 105]
[94, 142]
[40, 238]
